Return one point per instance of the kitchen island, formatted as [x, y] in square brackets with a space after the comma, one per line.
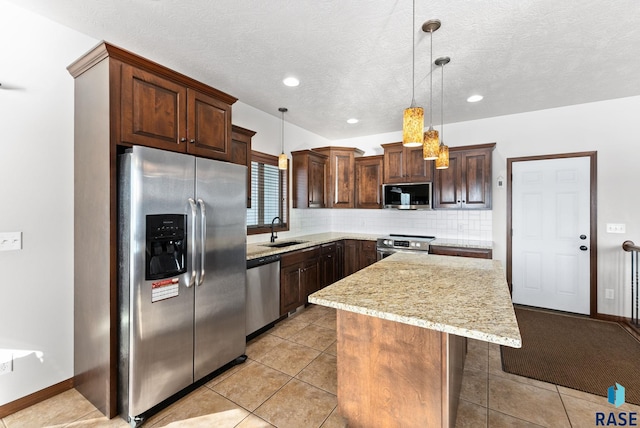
[402, 325]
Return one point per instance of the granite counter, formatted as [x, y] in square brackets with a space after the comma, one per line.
[457, 295]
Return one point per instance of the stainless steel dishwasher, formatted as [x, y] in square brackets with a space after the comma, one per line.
[263, 292]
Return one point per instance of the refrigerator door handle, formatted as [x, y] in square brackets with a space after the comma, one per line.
[194, 215]
[203, 238]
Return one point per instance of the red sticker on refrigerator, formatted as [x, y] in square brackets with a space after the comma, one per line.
[165, 289]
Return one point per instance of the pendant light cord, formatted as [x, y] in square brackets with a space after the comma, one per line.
[442, 110]
[431, 82]
[282, 133]
[413, 62]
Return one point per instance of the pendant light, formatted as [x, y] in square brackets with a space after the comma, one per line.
[430, 146]
[282, 159]
[413, 118]
[443, 154]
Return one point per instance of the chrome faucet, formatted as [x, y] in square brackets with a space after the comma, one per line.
[273, 235]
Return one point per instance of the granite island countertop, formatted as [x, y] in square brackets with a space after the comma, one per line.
[458, 295]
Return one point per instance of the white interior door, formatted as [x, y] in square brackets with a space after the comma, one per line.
[550, 240]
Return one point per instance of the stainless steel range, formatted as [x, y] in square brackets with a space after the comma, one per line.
[402, 243]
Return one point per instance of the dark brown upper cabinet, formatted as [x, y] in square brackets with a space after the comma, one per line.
[163, 112]
[405, 164]
[241, 153]
[369, 174]
[340, 178]
[466, 184]
[309, 172]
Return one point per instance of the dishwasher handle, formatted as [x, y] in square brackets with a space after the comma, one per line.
[265, 260]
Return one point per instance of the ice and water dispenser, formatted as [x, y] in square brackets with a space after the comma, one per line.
[166, 249]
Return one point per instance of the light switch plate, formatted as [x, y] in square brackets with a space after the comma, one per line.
[10, 241]
[616, 228]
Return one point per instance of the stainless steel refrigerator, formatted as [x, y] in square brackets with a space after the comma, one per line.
[182, 256]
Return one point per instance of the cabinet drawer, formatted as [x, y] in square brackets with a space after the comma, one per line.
[299, 256]
[478, 253]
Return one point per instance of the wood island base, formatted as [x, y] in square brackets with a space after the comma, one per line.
[397, 375]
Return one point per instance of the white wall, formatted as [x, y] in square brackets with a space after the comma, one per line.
[36, 196]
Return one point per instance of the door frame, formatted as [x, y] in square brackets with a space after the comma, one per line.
[593, 227]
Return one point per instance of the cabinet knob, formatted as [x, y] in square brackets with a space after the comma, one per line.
[183, 140]
[192, 141]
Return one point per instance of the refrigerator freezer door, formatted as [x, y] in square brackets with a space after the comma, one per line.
[220, 297]
[159, 313]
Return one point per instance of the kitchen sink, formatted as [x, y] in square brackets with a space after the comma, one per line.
[283, 244]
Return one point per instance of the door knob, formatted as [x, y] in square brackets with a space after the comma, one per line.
[583, 236]
[584, 247]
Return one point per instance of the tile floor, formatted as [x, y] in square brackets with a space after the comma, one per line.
[289, 380]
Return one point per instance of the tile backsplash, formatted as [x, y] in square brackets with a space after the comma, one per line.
[448, 224]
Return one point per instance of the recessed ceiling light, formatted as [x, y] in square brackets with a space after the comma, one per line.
[352, 120]
[291, 81]
[474, 98]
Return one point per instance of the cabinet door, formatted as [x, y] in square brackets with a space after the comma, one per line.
[367, 254]
[153, 110]
[350, 257]
[341, 177]
[316, 182]
[310, 278]
[369, 173]
[328, 268]
[394, 164]
[241, 153]
[209, 126]
[339, 260]
[466, 184]
[417, 169]
[446, 189]
[476, 185]
[290, 292]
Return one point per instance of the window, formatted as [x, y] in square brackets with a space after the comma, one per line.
[269, 195]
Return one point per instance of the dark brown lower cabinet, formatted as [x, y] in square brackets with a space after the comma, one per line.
[339, 260]
[367, 254]
[299, 277]
[328, 264]
[358, 255]
[304, 272]
[478, 253]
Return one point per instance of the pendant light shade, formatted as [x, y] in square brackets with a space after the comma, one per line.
[413, 118]
[282, 159]
[412, 126]
[443, 157]
[443, 154]
[431, 144]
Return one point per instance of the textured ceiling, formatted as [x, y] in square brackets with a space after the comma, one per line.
[353, 57]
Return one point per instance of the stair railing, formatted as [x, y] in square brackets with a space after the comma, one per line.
[635, 279]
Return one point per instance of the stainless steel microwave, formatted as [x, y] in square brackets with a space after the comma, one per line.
[407, 196]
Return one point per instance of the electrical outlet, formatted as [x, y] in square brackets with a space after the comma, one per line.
[616, 228]
[608, 293]
[10, 241]
[6, 366]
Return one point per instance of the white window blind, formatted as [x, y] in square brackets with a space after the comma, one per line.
[268, 192]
